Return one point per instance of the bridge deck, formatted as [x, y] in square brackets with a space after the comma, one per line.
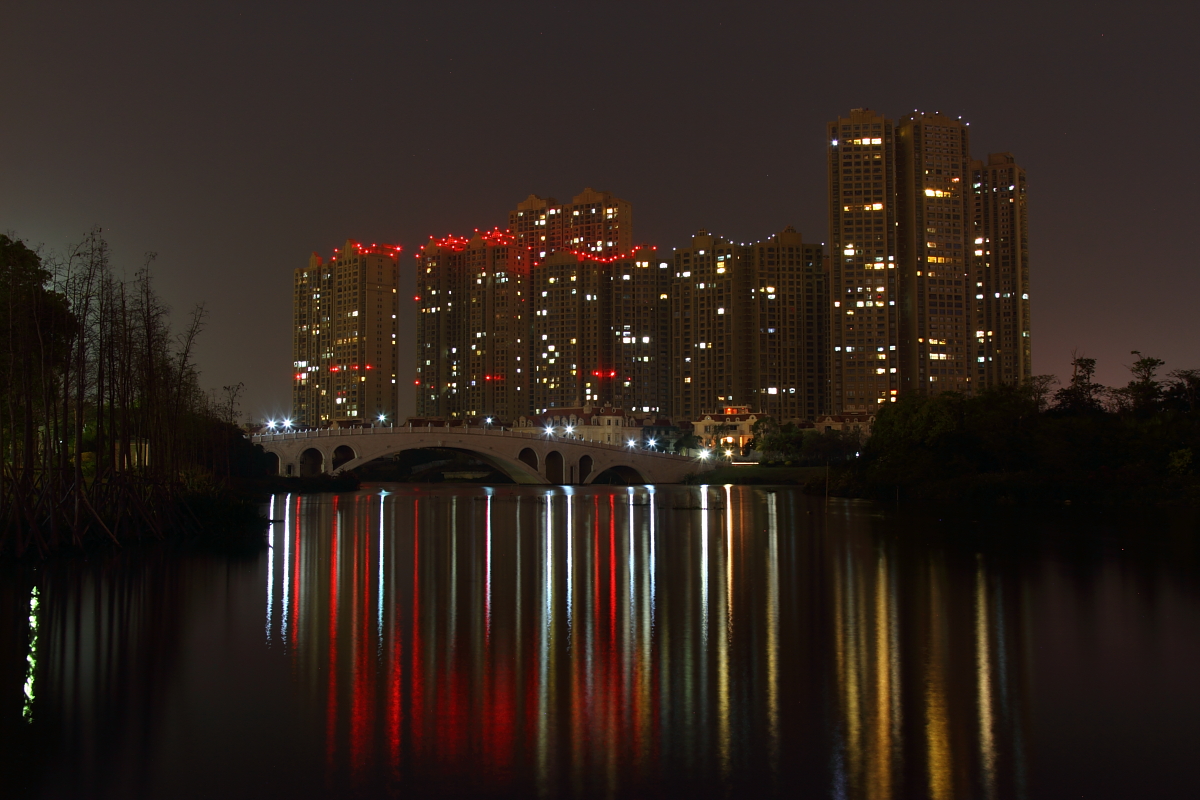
[426, 431]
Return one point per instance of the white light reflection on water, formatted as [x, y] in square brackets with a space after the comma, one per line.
[383, 495]
[270, 562]
[631, 671]
[487, 530]
[772, 634]
[632, 563]
[570, 497]
[287, 565]
[653, 568]
[725, 633]
[704, 563]
[545, 676]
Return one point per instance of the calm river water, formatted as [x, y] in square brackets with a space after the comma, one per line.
[628, 642]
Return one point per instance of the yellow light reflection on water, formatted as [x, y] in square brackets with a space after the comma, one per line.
[983, 670]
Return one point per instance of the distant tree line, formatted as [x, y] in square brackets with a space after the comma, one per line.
[1082, 443]
[104, 431]
[794, 445]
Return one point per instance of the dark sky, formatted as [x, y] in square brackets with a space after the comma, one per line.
[233, 141]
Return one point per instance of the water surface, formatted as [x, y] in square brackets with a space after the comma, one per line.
[631, 642]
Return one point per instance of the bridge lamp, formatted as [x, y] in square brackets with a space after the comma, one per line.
[729, 454]
[704, 454]
[287, 423]
[569, 430]
[549, 430]
[383, 417]
[271, 424]
[650, 443]
[631, 444]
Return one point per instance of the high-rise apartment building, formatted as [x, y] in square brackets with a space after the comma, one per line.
[707, 373]
[472, 328]
[593, 223]
[932, 163]
[865, 320]
[598, 331]
[902, 223]
[639, 327]
[788, 327]
[748, 327]
[559, 312]
[999, 275]
[570, 313]
[344, 337]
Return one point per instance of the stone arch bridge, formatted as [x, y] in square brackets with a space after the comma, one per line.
[527, 457]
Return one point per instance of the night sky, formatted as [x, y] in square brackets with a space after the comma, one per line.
[234, 141]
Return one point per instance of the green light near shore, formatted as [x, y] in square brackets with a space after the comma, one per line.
[31, 659]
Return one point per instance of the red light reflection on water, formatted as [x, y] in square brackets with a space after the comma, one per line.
[516, 641]
[485, 691]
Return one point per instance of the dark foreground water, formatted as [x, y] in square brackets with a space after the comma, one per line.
[692, 641]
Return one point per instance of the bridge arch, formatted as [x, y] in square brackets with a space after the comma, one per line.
[312, 463]
[519, 470]
[585, 468]
[619, 475]
[554, 467]
[528, 456]
[273, 464]
[343, 454]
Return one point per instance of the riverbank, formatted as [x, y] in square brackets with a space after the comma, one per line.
[758, 475]
[218, 519]
[1129, 488]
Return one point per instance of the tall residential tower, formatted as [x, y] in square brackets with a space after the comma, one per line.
[920, 278]
[472, 328]
[932, 158]
[593, 223]
[864, 285]
[748, 327]
[599, 331]
[999, 272]
[344, 337]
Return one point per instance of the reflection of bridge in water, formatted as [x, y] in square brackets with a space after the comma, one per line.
[525, 456]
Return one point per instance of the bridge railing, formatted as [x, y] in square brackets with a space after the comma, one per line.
[531, 434]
